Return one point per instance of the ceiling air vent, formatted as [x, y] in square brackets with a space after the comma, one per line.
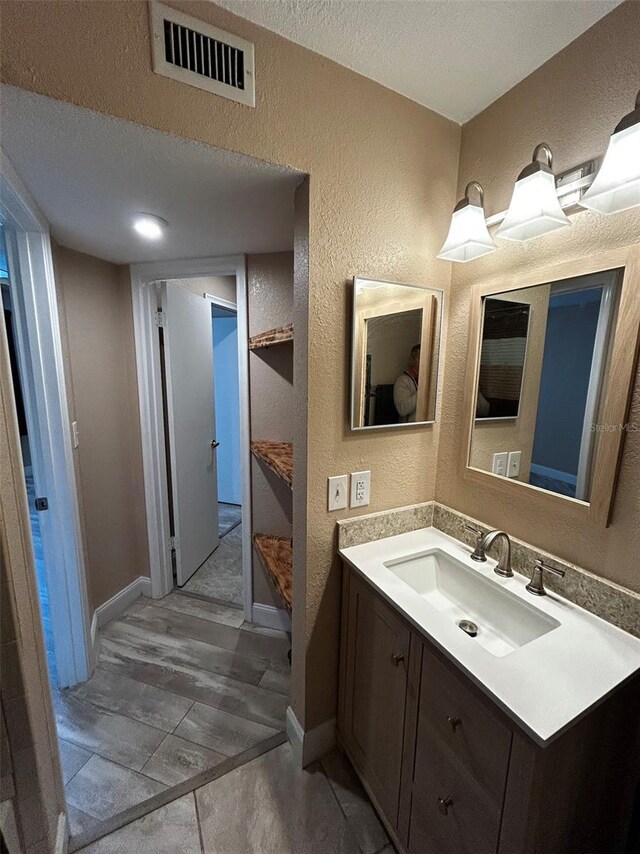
[192, 52]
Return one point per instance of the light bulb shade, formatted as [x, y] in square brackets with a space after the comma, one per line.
[468, 236]
[534, 209]
[617, 184]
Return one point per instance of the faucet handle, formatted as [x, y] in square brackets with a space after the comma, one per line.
[536, 585]
[478, 553]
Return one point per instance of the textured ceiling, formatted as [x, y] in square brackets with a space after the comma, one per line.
[454, 56]
[90, 174]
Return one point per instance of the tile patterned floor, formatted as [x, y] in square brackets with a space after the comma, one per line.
[181, 685]
[268, 806]
[220, 576]
[229, 516]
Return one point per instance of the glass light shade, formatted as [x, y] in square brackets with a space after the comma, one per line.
[468, 236]
[534, 209]
[617, 184]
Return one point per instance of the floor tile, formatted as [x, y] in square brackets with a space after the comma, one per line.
[211, 611]
[220, 575]
[238, 698]
[72, 758]
[136, 700]
[172, 829]
[361, 817]
[177, 760]
[102, 788]
[220, 731]
[113, 736]
[154, 631]
[292, 811]
[80, 822]
[229, 516]
[277, 678]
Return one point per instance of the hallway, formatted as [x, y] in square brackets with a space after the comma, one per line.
[181, 687]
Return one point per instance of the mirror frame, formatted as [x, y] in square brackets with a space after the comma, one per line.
[356, 383]
[618, 391]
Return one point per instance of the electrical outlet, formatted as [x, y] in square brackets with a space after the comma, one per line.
[513, 465]
[360, 488]
[337, 492]
[75, 434]
[500, 462]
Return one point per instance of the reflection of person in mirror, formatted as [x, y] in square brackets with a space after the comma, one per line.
[405, 388]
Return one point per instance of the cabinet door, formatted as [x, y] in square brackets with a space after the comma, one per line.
[375, 687]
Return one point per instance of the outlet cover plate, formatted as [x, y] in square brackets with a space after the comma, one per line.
[513, 465]
[500, 462]
[360, 488]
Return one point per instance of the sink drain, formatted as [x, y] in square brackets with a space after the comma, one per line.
[470, 628]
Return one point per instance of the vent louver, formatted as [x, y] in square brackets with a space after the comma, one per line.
[192, 52]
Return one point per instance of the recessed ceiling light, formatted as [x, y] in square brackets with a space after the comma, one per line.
[150, 226]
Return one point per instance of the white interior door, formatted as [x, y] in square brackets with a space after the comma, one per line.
[191, 418]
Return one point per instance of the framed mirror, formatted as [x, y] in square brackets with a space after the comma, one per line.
[549, 378]
[395, 356]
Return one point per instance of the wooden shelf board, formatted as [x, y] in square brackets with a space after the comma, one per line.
[278, 456]
[272, 336]
[276, 554]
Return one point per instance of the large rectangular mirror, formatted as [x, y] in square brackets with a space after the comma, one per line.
[549, 376]
[396, 344]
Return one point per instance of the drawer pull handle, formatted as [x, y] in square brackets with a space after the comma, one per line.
[444, 804]
[396, 658]
[454, 721]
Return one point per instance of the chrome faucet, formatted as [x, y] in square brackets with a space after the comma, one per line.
[503, 567]
[536, 585]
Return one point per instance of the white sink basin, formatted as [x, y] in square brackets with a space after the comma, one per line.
[504, 622]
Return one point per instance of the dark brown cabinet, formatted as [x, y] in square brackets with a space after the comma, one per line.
[377, 656]
[450, 773]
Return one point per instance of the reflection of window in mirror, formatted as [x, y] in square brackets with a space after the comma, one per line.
[543, 370]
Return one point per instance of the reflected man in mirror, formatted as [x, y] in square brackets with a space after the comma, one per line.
[405, 388]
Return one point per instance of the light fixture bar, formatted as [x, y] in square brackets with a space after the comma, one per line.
[564, 191]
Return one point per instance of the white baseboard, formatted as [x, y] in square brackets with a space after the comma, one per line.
[270, 617]
[311, 745]
[94, 644]
[113, 607]
[62, 835]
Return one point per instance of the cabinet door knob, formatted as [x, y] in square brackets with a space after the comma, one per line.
[454, 721]
[396, 658]
[444, 804]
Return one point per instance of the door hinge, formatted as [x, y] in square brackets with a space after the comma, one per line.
[42, 503]
[160, 318]
[173, 543]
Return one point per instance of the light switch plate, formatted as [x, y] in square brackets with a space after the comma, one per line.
[500, 462]
[360, 488]
[513, 465]
[337, 492]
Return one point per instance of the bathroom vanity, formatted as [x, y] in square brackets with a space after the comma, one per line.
[522, 739]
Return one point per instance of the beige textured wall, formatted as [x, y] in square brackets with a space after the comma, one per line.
[270, 304]
[383, 176]
[572, 102]
[218, 286]
[97, 329]
[516, 434]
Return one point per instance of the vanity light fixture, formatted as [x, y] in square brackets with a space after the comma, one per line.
[468, 236]
[534, 209]
[150, 226]
[617, 184]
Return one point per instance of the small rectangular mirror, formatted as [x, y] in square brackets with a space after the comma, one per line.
[545, 354]
[396, 344]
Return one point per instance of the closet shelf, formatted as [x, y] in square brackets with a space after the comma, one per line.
[271, 337]
[276, 554]
[278, 456]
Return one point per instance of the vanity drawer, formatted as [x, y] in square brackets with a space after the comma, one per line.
[468, 822]
[453, 715]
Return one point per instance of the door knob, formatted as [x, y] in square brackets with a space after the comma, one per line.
[444, 804]
[214, 443]
[396, 658]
